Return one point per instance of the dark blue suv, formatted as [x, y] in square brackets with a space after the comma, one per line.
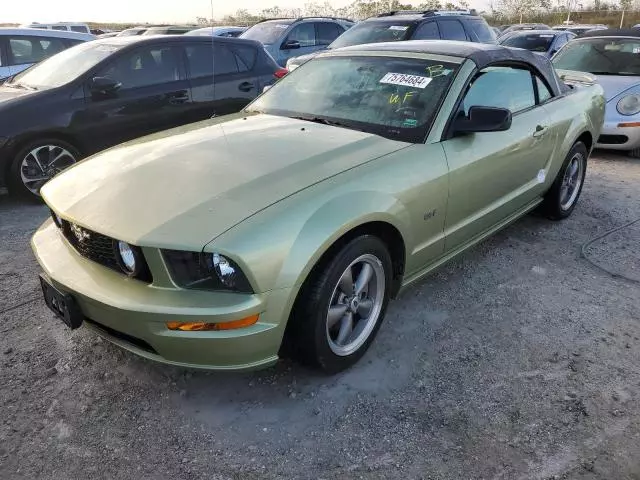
[465, 25]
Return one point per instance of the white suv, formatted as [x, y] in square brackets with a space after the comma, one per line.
[22, 47]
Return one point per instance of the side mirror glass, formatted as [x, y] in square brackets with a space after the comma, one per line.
[483, 119]
[290, 45]
[104, 86]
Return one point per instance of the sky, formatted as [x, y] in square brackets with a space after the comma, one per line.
[140, 11]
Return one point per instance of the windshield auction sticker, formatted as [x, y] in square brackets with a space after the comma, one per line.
[415, 81]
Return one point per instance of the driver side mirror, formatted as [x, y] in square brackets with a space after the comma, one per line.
[104, 86]
[483, 119]
[290, 45]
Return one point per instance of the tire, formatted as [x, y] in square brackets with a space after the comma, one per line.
[634, 153]
[559, 202]
[310, 338]
[31, 162]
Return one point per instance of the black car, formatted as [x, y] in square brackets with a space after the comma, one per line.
[105, 92]
[464, 25]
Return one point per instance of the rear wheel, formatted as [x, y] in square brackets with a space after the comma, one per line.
[634, 153]
[37, 163]
[339, 312]
[563, 195]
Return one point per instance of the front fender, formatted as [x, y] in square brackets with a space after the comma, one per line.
[332, 221]
[278, 247]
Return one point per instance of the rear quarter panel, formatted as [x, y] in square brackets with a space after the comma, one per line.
[579, 111]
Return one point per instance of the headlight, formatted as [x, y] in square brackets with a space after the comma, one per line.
[127, 257]
[205, 271]
[629, 105]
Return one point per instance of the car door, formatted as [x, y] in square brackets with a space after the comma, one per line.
[153, 95]
[220, 78]
[493, 175]
[303, 37]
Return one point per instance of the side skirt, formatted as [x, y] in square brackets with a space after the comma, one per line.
[447, 257]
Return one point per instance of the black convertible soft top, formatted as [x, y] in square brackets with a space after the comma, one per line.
[482, 54]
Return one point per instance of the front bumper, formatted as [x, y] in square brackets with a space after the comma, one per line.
[613, 137]
[133, 314]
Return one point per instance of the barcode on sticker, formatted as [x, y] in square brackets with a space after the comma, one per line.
[405, 80]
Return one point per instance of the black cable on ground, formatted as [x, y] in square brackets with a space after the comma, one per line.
[583, 252]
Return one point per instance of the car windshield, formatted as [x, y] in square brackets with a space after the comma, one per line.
[396, 98]
[603, 56]
[373, 32]
[539, 42]
[65, 66]
[266, 33]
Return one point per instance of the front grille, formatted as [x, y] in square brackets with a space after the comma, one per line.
[613, 139]
[91, 245]
[97, 247]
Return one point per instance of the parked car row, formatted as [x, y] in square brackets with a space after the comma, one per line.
[463, 25]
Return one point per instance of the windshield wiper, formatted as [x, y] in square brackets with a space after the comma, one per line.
[325, 121]
[20, 85]
[621, 74]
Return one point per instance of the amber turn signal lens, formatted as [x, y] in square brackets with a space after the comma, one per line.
[629, 124]
[203, 327]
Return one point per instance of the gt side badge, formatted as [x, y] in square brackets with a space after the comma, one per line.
[430, 215]
[541, 176]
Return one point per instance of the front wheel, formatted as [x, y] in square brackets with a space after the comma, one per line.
[340, 310]
[563, 195]
[37, 163]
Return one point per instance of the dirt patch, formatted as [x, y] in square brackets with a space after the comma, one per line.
[518, 361]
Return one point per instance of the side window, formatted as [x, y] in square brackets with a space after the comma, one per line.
[60, 27]
[327, 32]
[451, 30]
[501, 87]
[203, 61]
[33, 49]
[305, 33]
[479, 31]
[427, 31]
[79, 28]
[246, 56]
[145, 67]
[543, 92]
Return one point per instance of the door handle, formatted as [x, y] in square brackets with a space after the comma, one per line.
[177, 98]
[540, 131]
[246, 86]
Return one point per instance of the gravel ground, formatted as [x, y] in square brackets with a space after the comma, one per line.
[518, 361]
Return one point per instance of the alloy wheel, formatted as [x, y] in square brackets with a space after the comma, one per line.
[42, 163]
[355, 305]
[572, 181]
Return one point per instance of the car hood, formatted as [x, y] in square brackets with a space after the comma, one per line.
[184, 187]
[8, 94]
[614, 85]
[305, 58]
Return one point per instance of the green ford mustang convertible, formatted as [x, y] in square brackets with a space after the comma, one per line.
[286, 228]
